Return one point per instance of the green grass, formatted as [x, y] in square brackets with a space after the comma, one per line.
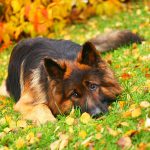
[124, 60]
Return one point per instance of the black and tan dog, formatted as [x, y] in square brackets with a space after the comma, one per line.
[48, 77]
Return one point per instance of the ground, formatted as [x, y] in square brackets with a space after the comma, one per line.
[125, 126]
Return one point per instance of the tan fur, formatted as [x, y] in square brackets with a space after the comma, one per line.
[3, 90]
[39, 112]
[35, 86]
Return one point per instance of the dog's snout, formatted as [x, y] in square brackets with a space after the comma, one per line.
[95, 112]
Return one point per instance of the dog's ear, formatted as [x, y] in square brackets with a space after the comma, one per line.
[89, 55]
[54, 70]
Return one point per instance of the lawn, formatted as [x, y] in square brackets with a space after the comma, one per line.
[125, 124]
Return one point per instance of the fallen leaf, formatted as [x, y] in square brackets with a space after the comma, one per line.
[7, 130]
[61, 143]
[12, 124]
[130, 133]
[21, 123]
[82, 134]
[64, 141]
[147, 75]
[136, 112]
[143, 146]
[69, 120]
[144, 104]
[124, 142]
[124, 124]
[121, 104]
[39, 135]
[112, 132]
[2, 121]
[2, 134]
[71, 129]
[85, 118]
[55, 145]
[85, 142]
[20, 143]
[126, 114]
[126, 76]
[98, 136]
[147, 122]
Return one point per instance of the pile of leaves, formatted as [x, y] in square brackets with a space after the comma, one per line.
[43, 17]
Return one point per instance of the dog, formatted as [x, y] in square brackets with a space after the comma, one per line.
[48, 77]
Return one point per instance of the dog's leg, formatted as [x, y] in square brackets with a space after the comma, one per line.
[40, 113]
[3, 90]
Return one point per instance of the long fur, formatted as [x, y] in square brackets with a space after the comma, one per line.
[114, 39]
[37, 64]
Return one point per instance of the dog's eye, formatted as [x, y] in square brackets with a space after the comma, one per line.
[74, 94]
[93, 87]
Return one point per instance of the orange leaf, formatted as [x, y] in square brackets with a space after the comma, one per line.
[126, 76]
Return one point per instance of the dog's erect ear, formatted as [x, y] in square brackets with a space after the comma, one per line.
[89, 55]
[54, 70]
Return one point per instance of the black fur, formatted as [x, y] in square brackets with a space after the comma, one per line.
[114, 39]
[32, 51]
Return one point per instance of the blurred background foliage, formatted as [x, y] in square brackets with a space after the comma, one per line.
[31, 18]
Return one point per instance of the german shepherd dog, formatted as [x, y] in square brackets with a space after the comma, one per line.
[48, 77]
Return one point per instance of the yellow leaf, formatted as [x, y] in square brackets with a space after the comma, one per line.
[71, 129]
[82, 134]
[130, 133]
[136, 112]
[69, 120]
[85, 118]
[30, 136]
[98, 136]
[12, 124]
[21, 123]
[6, 130]
[15, 5]
[20, 143]
[126, 114]
[2, 121]
[121, 104]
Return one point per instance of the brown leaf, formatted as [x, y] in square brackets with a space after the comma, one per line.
[147, 75]
[130, 133]
[124, 142]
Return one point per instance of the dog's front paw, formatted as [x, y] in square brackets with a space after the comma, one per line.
[40, 114]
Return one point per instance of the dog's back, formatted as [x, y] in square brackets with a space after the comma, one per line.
[30, 53]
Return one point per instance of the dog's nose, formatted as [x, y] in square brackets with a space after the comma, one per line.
[95, 112]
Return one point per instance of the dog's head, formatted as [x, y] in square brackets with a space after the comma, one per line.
[86, 82]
